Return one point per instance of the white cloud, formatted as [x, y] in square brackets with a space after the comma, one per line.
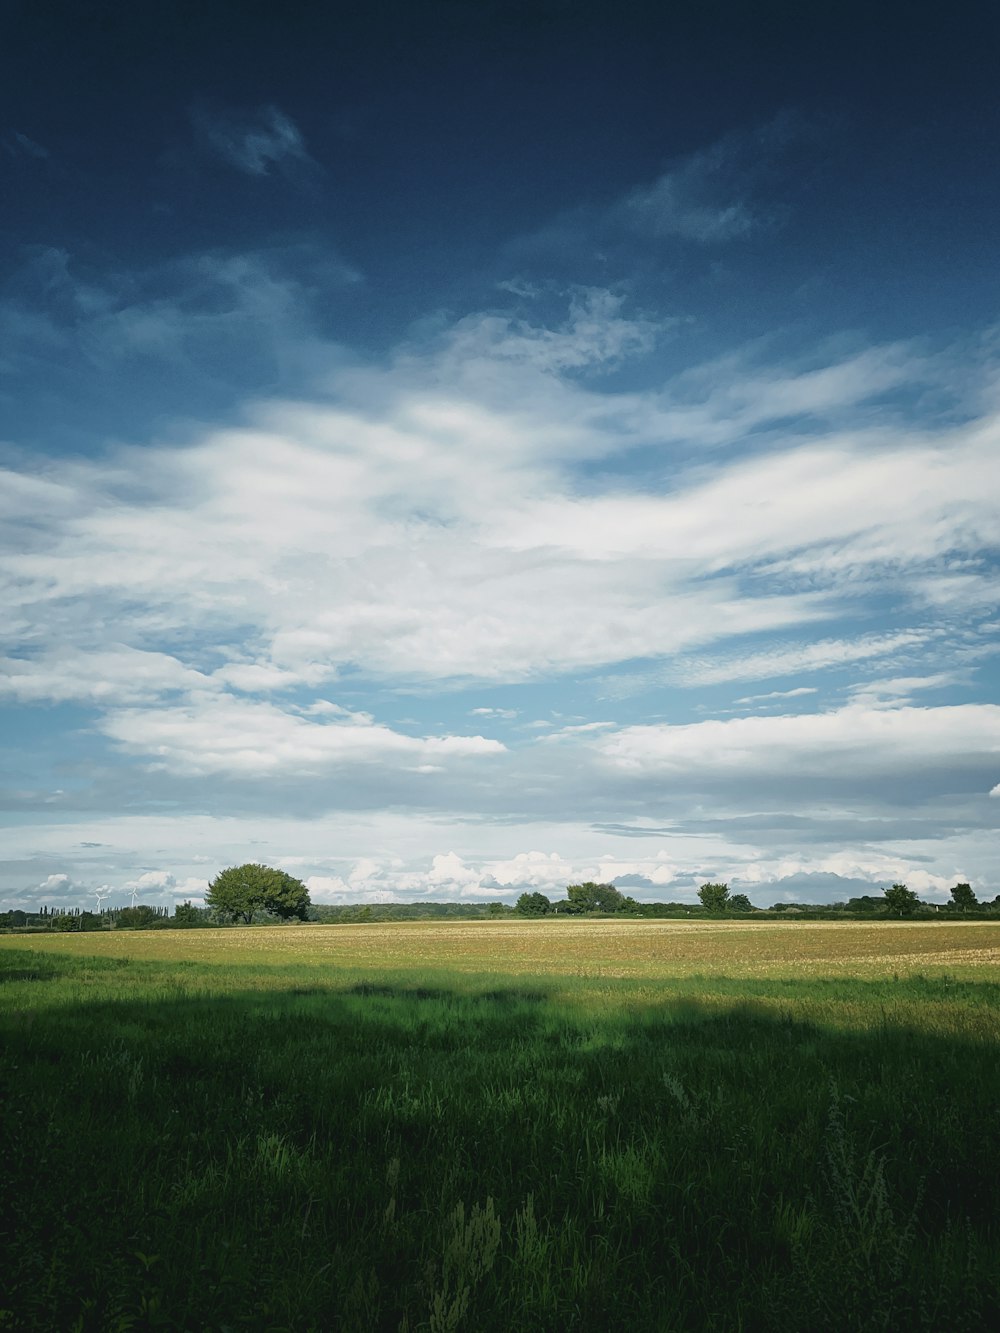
[116, 675]
[254, 739]
[797, 693]
[898, 690]
[536, 870]
[434, 523]
[262, 677]
[851, 742]
[791, 659]
[421, 857]
[816, 509]
[596, 334]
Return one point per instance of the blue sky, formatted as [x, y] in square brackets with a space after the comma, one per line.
[455, 449]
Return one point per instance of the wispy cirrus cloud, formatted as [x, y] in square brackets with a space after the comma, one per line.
[596, 335]
[21, 145]
[190, 336]
[196, 316]
[713, 196]
[697, 200]
[254, 142]
[363, 532]
[776, 696]
[708, 196]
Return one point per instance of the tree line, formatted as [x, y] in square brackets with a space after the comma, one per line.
[255, 893]
[716, 899]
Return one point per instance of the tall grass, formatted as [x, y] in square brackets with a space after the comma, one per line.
[267, 1144]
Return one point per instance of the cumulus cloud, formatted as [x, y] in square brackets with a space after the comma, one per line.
[385, 854]
[59, 890]
[448, 875]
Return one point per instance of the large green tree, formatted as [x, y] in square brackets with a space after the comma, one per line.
[714, 897]
[901, 900]
[963, 897]
[241, 891]
[591, 897]
[533, 904]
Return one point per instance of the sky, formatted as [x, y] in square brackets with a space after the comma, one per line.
[458, 449]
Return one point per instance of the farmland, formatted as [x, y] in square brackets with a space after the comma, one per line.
[502, 1125]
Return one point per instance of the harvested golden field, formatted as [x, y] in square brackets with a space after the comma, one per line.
[644, 950]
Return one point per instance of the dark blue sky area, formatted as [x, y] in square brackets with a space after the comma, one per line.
[442, 149]
[440, 133]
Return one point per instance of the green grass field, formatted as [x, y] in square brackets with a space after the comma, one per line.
[502, 1126]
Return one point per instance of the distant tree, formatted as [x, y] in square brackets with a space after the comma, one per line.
[579, 899]
[607, 898]
[240, 891]
[963, 898]
[533, 904]
[591, 897]
[135, 918]
[714, 897]
[186, 915]
[739, 902]
[497, 909]
[901, 900]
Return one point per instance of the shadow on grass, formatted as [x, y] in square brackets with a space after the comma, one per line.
[390, 1153]
[514, 995]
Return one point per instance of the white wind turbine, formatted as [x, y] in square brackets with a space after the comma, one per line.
[100, 898]
[135, 894]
